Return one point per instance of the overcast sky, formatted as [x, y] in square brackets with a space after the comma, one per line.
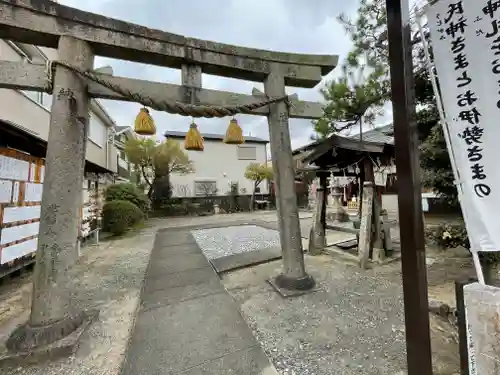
[283, 25]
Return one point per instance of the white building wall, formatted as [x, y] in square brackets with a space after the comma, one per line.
[219, 162]
[31, 110]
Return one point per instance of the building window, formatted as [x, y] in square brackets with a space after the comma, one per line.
[33, 95]
[46, 100]
[205, 188]
[97, 131]
[41, 98]
[247, 153]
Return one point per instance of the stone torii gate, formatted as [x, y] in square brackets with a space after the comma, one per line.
[80, 35]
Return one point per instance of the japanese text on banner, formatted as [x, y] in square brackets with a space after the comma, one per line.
[465, 37]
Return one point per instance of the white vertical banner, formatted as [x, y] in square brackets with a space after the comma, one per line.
[465, 37]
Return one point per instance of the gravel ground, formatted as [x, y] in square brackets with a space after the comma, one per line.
[219, 242]
[107, 277]
[352, 325]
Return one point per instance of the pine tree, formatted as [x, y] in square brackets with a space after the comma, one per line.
[357, 97]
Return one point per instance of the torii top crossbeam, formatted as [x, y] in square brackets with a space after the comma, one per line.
[42, 22]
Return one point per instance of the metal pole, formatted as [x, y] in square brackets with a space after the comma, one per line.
[418, 341]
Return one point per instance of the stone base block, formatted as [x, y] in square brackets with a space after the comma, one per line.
[482, 303]
[36, 344]
[378, 255]
[290, 287]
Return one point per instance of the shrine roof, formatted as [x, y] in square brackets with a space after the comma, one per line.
[381, 134]
[339, 150]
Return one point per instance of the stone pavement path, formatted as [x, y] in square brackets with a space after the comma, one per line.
[187, 322]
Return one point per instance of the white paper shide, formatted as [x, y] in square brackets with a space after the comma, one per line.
[465, 39]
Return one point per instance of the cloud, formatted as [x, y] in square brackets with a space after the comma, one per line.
[281, 25]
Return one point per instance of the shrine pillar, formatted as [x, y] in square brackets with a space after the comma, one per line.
[294, 276]
[52, 316]
[317, 235]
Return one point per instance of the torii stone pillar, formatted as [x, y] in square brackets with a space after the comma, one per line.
[51, 316]
[317, 235]
[294, 276]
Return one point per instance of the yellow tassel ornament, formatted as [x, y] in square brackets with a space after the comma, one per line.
[234, 133]
[144, 123]
[193, 140]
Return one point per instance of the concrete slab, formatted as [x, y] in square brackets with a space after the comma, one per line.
[180, 287]
[161, 298]
[347, 244]
[160, 266]
[170, 339]
[210, 222]
[334, 237]
[187, 323]
[185, 248]
[245, 362]
[178, 279]
[251, 258]
[167, 238]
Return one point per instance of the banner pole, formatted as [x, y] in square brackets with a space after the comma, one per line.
[413, 263]
[477, 266]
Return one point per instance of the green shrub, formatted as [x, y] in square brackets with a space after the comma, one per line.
[130, 193]
[119, 216]
[172, 209]
[451, 235]
[447, 236]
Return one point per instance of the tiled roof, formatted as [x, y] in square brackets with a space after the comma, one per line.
[213, 136]
[381, 134]
[23, 129]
